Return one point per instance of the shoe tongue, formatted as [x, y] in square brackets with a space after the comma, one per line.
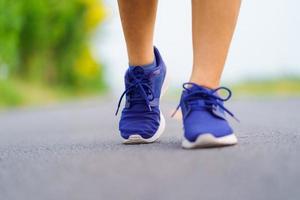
[215, 110]
[193, 88]
[138, 72]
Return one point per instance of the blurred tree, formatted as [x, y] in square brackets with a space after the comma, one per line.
[48, 41]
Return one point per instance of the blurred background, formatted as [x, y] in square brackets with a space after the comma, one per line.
[58, 50]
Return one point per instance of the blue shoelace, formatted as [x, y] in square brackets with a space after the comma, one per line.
[209, 97]
[139, 89]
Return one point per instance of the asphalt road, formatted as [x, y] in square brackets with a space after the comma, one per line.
[73, 151]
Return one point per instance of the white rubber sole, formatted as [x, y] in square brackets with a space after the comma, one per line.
[137, 139]
[208, 140]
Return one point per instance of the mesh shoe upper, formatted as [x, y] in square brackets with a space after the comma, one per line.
[141, 114]
[203, 111]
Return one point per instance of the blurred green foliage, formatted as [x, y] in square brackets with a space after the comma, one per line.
[47, 41]
[9, 95]
[286, 86]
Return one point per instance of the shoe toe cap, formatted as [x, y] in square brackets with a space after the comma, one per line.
[144, 125]
[204, 123]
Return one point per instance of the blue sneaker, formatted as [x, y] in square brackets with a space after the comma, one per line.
[204, 119]
[141, 120]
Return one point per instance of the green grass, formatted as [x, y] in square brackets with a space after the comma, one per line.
[9, 95]
[16, 93]
[286, 86]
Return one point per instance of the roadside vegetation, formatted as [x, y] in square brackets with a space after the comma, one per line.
[45, 51]
[281, 86]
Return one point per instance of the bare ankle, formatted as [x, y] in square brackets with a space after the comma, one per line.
[211, 84]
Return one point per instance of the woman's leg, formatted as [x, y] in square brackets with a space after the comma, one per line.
[141, 120]
[213, 24]
[138, 19]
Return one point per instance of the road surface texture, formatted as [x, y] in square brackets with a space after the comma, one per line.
[73, 151]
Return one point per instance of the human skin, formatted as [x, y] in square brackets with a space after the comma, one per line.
[138, 21]
[213, 24]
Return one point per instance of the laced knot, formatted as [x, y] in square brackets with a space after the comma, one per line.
[210, 97]
[138, 89]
